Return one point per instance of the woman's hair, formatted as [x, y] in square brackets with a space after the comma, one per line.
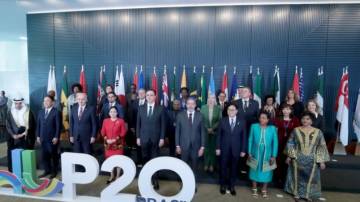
[309, 114]
[296, 96]
[113, 107]
[76, 85]
[313, 101]
[267, 114]
[50, 97]
[285, 105]
[269, 96]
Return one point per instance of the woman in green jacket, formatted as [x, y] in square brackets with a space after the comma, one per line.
[212, 116]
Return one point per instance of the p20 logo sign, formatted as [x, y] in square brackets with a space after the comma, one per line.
[26, 184]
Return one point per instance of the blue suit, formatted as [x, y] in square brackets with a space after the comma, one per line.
[82, 130]
[49, 127]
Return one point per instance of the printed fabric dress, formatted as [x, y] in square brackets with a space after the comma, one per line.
[113, 130]
[263, 145]
[306, 150]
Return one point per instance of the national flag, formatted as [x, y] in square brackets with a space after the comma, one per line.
[211, 89]
[319, 97]
[276, 86]
[136, 78]
[203, 88]
[101, 89]
[83, 80]
[224, 85]
[154, 84]
[141, 78]
[301, 86]
[183, 78]
[257, 89]
[295, 84]
[165, 90]
[356, 122]
[342, 114]
[250, 79]
[63, 100]
[193, 82]
[233, 90]
[103, 80]
[173, 86]
[52, 81]
[120, 85]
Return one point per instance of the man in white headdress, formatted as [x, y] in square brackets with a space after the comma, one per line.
[20, 125]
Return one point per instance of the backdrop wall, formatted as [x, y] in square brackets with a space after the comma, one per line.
[306, 35]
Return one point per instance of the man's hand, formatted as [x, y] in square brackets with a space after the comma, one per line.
[242, 154]
[132, 130]
[178, 150]
[201, 152]
[92, 140]
[218, 152]
[138, 142]
[161, 142]
[72, 139]
[210, 130]
[55, 140]
[38, 140]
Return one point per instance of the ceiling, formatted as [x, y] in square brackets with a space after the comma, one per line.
[13, 12]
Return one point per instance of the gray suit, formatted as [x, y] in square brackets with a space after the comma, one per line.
[190, 137]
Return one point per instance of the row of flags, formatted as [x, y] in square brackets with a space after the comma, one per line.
[170, 93]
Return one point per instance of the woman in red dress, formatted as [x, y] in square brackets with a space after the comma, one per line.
[113, 130]
[285, 124]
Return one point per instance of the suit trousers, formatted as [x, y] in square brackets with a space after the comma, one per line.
[190, 156]
[50, 157]
[81, 146]
[228, 168]
[149, 151]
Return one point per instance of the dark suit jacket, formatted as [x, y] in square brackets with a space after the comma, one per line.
[150, 128]
[85, 128]
[319, 123]
[132, 111]
[171, 122]
[185, 135]
[235, 141]
[224, 110]
[48, 128]
[251, 113]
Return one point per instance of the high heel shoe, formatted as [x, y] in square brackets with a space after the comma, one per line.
[265, 194]
[254, 193]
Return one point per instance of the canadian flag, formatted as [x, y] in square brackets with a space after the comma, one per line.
[342, 108]
[120, 86]
[224, 85]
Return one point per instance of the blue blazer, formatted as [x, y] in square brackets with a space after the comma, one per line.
[48, 128]
[233, 142]
[85, 128]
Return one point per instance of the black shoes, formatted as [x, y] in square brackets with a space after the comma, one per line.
[232, 191]
[222, 190]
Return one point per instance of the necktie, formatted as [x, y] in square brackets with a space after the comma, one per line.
[46, 113]
[150, 111]
[232, 125]
[81, 112]
[245, 105]
[190, 118]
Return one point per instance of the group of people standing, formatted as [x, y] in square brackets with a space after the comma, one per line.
[286, 140]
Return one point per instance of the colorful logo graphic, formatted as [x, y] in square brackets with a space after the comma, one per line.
[23, 179]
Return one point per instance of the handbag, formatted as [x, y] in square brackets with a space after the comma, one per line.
[252, 163]
[268, 167]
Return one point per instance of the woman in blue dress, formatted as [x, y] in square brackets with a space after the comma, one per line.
[263, 149]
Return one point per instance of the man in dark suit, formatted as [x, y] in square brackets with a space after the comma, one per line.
[223, 103]
[112, 102]
[248, 107]
[132, 111]
[230, 146]
[48, 133]
[171, 125]
[83, 125]
[190, 134]
[150, 129]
